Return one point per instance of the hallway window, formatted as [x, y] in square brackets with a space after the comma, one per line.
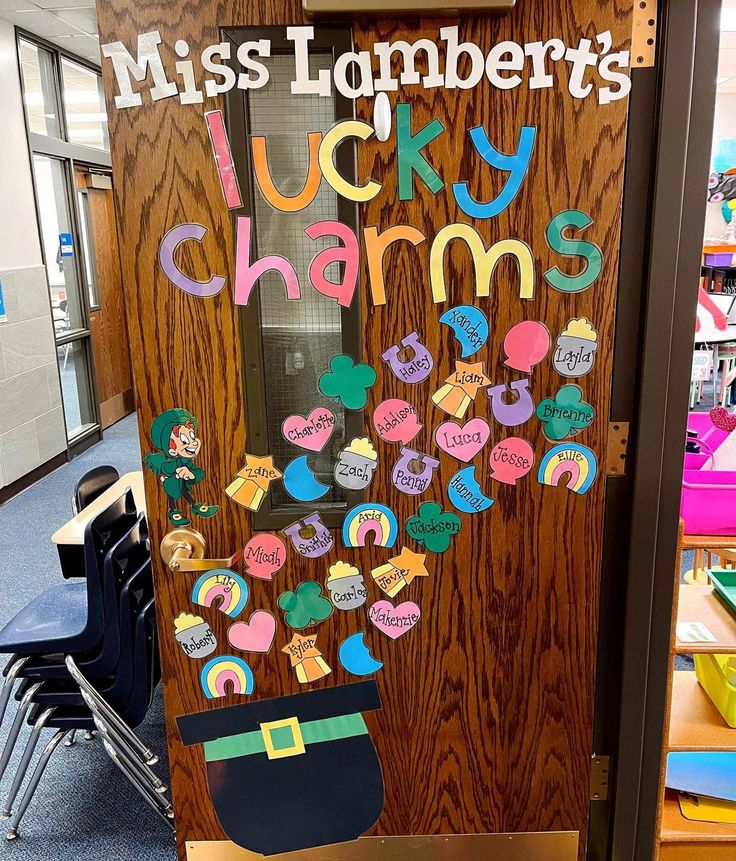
[84, 106]
[39, 89]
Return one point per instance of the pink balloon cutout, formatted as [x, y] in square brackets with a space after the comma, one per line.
[511, 459]
[264, 555]
[396, 421]
[525, 345]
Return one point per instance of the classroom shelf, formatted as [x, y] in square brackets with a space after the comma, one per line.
[676, 829]
[701, 604]
[695, 723]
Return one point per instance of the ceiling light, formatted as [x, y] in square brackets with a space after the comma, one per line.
[728, 20]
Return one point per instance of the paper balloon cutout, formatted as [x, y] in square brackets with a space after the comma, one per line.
[305, 606]
[223, 672]
[309, 537]
[356, 464]
[251, 485]
[255, 635]
[469, 326]
[396, 421]
[525, 345]
[414, 369]
[347, 383]
[194, 635]
[569, 460]
[511, 459]
[465, 493]
[306, 659]
[566, 414]
[516, 413]
[460, 388]
[370, 517]
[301, 483]
[392, 621]
[264, 555]
[413, 471]
[222, 589]
[313, 432]
[462, 441]
[355, 656]
[346, 587]
[576, 347]
[433, 527]
[399, 571]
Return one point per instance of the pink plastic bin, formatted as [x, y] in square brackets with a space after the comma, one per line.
[708, 502]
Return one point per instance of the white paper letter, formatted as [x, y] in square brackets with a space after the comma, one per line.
[495, 64]
[538, 52]
[409, 74]
[477, 60]
[606, 94]
[302, 83]
[124, 66]
[263, 48]
[580, 57]
[363, 62]
[212, 88]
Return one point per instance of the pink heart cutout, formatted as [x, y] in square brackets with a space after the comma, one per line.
[255, 635]
[311, 433]
[394, 621]
[723, 419]
[463, 442]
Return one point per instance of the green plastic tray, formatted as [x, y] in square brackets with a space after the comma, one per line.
[724, 582]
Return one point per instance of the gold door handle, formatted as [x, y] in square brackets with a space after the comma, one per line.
[183, 550]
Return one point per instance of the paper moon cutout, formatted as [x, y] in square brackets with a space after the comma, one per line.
[300, 483]
[382, 116]
[356, 658]
[469, 326]
[465, 493]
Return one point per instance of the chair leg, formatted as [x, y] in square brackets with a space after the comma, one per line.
[144, 771]
[99, 707]
[9, 685]
[160, 804]
[23, 707]
[25, 761]
[70, 740]
[12, 832]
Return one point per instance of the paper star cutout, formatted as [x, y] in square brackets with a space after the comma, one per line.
[301, 647]
[469, 377]
[410, 564]
[259, 470]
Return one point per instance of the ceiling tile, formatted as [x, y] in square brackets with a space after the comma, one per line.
[15, 5]
[41, 23]
[65, 4]
[84, 19]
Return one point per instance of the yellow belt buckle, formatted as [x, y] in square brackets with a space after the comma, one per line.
[294, 749]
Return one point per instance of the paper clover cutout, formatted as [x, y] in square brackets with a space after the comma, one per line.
[433, 527]
[305, 606]
[347, 383]
[565, 414]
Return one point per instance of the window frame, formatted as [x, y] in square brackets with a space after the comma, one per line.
[336, 40]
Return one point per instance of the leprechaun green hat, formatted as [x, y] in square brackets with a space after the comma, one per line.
[163, 425]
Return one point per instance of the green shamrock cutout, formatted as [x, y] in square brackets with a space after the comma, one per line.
[433, 527]
[347, 383]
[305, 606]
[566, 414]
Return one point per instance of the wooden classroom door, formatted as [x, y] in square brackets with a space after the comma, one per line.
[476, 201]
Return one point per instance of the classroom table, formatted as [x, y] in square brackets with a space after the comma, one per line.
[69, 538]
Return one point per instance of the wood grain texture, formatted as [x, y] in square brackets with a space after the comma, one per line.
[488, 704]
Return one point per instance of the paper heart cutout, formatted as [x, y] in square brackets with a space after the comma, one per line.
[312, 432]
[394, 621]
[723, 419]
[463, 442]
[255, 635]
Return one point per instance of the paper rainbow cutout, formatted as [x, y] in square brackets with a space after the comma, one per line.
[366, 518]
[224, 585]
[569, 459]
[217, 672]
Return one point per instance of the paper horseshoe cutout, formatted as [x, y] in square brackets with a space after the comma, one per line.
[413, 370]
[413, 471]
[309, 537]
[514, 414]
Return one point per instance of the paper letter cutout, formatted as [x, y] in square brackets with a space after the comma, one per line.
[396, 421]
[375, 247]
[469, 326]
[566, 414]
[572, 248]
[399, 571]
[255, 635]
[525, 345]
[516, 413]
[356, 464]
[264, 555]
[413, 472]
[247, 273]
[464, 442]
[226, 670]
[410, 157]
[313, 432]
[484, 261]
[433, 527]
[516, 165]
[266, 184]
[346, 587]
[569, 459]
[346, 382]
[309, 537]
[194, 635]
[465, 493]
[370, 517]
[575, 350]
[416, 369]
[301, 483]
[338, 133]
[166, 252]
[394, 621]
[353, 652]
[348, 254]
[511, 459]
[223, 159]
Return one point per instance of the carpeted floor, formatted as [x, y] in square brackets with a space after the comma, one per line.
[84, 809]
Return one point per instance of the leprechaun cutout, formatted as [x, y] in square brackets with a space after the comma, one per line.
[174, 434]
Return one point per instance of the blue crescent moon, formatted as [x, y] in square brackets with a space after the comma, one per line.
[300, 483]
[465, 493]
[356, 658]
[469, 326]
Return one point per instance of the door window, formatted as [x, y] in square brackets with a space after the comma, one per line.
[39, 89]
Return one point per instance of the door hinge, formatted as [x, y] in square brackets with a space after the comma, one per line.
[599, 777]
[618, 440]
[644, 34]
